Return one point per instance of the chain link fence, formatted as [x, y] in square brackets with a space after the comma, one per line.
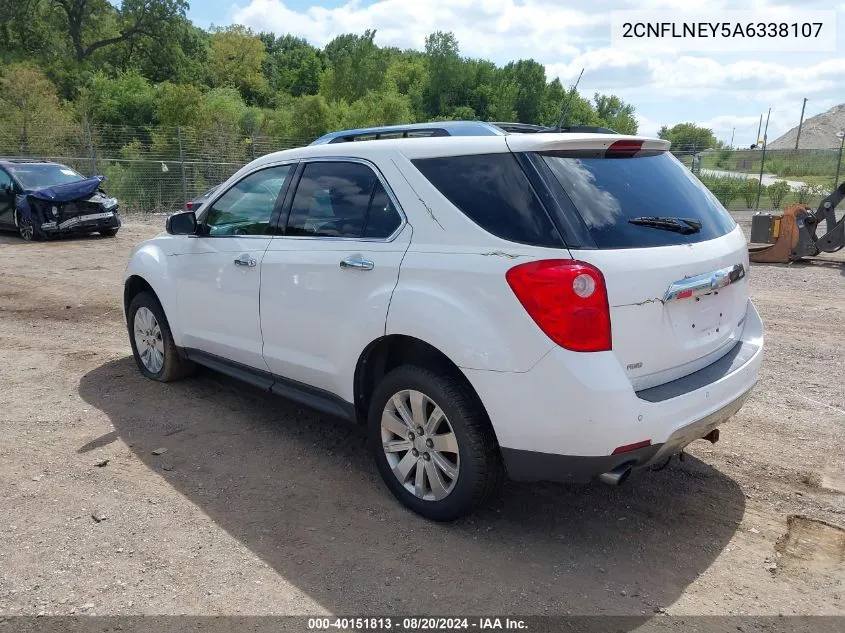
[771, 179]
[156, 169]
[148, 169]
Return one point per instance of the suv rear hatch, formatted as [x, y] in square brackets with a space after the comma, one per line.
[673, 259]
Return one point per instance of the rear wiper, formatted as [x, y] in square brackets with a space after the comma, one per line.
[678, 225]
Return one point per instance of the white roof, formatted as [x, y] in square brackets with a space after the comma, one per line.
[460, 145]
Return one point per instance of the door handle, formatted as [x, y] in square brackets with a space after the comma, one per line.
[357, 264]
[245, 260]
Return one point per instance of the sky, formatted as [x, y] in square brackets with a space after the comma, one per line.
[726, 92]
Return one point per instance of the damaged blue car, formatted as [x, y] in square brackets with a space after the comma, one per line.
[40, 199]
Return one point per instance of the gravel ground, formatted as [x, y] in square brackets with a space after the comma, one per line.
[257, 506]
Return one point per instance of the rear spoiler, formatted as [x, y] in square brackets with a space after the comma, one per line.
[593, 143]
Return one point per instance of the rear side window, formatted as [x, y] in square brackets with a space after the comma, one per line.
[493, 191]
[610, 192]
[341, 199]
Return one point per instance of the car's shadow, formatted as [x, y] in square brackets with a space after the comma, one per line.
[12, 238]
[302, 493]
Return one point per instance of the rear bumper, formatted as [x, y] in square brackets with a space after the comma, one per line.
[537, 466]
[561, 420]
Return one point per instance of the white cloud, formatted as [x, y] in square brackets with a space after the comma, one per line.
[724, 91]
[483, 28]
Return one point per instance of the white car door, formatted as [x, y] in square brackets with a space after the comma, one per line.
[327, 281]
[218, 273]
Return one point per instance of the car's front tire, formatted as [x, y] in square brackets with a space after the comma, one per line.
[108, 232]
[26, 228]
[433, 443]
[152, 343]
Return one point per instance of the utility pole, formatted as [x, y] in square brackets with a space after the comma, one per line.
[733, 131]
[800, 123]
[763, 159]
[759, 127]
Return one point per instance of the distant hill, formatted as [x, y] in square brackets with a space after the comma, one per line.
[818, 132]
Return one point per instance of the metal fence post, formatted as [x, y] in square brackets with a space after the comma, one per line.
[252, 146]
[182, 165]
[91, 155]
[762, 160]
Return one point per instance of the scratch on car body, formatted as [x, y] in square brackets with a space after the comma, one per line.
[501, 254]
[640, 303]
[419, 197]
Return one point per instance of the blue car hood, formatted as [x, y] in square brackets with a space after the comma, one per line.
[68, 191]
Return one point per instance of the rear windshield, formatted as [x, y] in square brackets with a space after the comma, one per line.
[39, 175]
[608, 192]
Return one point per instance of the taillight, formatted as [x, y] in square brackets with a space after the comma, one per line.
[189, 205]
[568, 301]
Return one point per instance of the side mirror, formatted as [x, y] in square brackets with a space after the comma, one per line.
[183, 223]
[5, 189]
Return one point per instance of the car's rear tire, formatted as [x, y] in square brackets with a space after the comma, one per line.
[454, 465]
[108, 232]
[156, 355]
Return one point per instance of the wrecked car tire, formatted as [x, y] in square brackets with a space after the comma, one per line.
[152, 343]
[108, 232]
[26, 229]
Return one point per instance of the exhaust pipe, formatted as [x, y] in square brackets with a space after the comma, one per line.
[617, 476]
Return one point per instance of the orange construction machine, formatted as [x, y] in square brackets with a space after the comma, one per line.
[792, 235]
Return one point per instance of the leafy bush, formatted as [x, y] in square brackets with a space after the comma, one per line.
[748, 191]
[723, 158]
[777, 192]
[803, 193]
[725, 188]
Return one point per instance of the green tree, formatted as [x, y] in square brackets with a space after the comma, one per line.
[529, 79]
[311, 117]
[96, 24]
[355, 66]
[444, 69]
[235, 59]
[128, 99]
[408, 77]
[688, 136]
[30, 105]
[178, 104]
[614, 113]
[292, 65]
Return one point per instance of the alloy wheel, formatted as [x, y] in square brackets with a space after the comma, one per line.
[420, 445]
[148, 340]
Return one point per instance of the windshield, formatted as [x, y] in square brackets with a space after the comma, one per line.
[40, 175]
[631, 202]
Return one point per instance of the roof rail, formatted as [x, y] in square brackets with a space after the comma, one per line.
[450, 128]
[433, 128]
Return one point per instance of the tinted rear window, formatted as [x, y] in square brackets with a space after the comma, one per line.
[608, 192]
[493, 191]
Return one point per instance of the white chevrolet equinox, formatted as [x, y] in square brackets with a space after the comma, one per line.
[548, 306]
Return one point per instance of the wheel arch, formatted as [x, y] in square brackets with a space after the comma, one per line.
[134, 285]
[388, 352]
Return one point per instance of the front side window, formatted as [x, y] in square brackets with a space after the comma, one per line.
[341, 199]
[5, 182]
[247, 206]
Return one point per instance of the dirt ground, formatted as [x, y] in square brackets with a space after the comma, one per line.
[261, 507]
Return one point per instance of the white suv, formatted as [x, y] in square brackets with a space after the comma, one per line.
[550, 306]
